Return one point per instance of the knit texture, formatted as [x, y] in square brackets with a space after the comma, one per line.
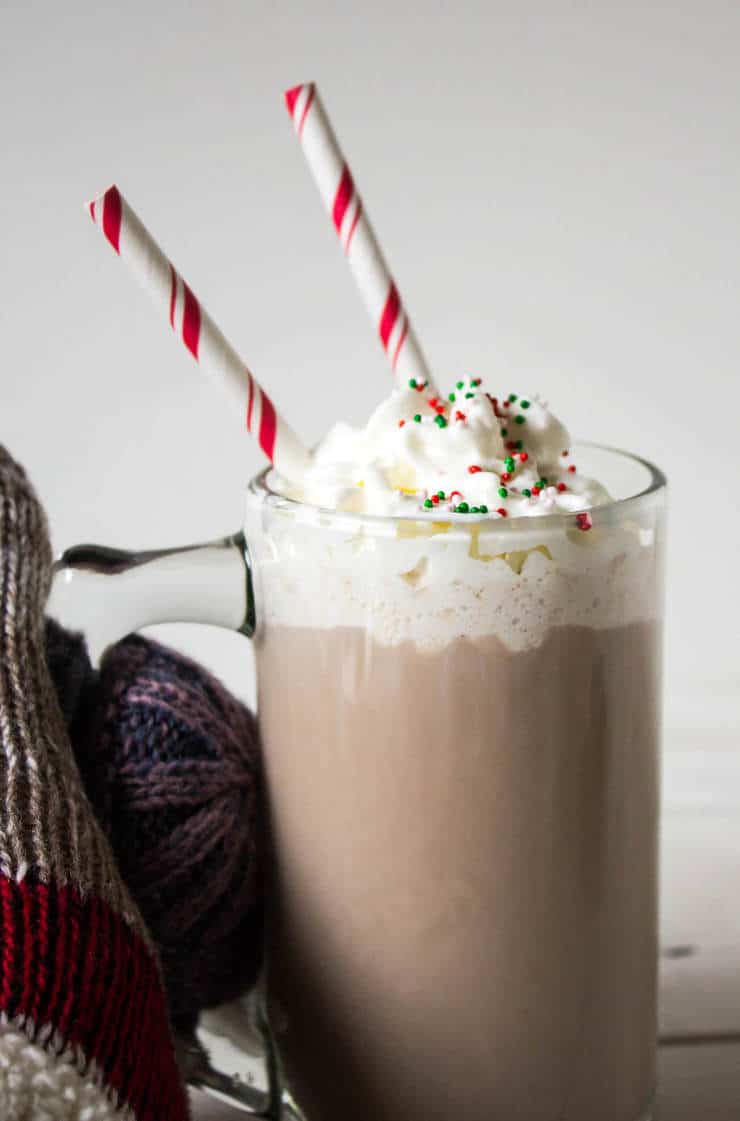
[170, 761]
[78, 973]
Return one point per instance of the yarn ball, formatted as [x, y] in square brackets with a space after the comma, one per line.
[170, 760]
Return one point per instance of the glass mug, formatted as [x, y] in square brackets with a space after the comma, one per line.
[460, 726]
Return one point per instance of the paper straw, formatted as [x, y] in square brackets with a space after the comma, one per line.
[129, 237]
[337, 189]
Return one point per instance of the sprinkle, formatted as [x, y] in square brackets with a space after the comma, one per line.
[468, 396]
[435, 499]
[512, 397]
[565, 453]
[503, 492]
[509, 463]
[460, 384]
[524, 456]
[462, 508]
[455, 492]
[451, 397]
[535, 490]
[572, 468]
[502, 512]
[524, 404]
[474, 469]
[440, 421]
[459, 415]
[542, 483]
[519, 419]
[527, 492]
[417, 418]
[440, 494]
[476, 381]
[475, 509]
[562, 487]
[504, 431]
[505, 476]
[412, 383]
[506, 404]
[583, 521]
[483, 509]
[428, 503]
[519, 445]
[401, 423]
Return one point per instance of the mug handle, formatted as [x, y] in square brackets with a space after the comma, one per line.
[108, 593]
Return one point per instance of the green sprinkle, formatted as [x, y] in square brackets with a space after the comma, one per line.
[520, 419]
[468, 396]
[412, 383]
[451, 397]
[483, 509]
[504, 431]
[509, 463]
[440, 494]
[440, 421]
[524, 404]
[475, 509]
[462, 508]
[503, 492]
[512, 397]
[543, 481]
[519, 445]
[428, 503]
[460, 384]
[527, 493]
[417, 418]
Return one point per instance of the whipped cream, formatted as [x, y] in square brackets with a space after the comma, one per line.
[465, 454]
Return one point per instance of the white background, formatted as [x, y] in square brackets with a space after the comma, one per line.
[556, 186]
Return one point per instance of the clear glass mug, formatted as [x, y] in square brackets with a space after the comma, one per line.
[460, 726]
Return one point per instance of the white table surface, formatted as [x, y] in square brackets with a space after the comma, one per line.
[700, 933]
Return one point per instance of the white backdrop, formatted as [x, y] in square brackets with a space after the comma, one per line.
[556, 186]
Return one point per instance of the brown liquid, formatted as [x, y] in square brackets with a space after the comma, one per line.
[464, 918]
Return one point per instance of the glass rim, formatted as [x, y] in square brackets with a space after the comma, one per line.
[259, 488]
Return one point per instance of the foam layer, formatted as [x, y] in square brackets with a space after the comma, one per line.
[433, 582]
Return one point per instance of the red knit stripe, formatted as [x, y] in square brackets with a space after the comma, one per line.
[94, 964]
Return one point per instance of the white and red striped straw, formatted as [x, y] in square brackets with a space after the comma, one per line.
[132, 241]
[337, 189]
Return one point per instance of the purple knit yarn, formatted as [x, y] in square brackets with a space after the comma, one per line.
[171, 763]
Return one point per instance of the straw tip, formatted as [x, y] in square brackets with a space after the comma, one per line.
[291, 96]
[92, 205]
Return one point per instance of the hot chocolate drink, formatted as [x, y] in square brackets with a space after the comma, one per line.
[459, 709]
[465, 847]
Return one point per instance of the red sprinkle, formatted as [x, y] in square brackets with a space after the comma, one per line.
[401, 423]
[505, 476]
[536, 490]
[435, 499]
[562, 487]
[510, 446]
[477, 381]
[474, 469]
[502, 512]
[572, 468]
[583, 521]
[507, 404]
[524, 456]
[434, 401]
[459, 415]
[453, 493]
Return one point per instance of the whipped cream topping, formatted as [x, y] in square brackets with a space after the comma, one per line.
[465, 454]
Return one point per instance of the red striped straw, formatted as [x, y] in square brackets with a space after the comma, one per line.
[337, 189]
[132, 241]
